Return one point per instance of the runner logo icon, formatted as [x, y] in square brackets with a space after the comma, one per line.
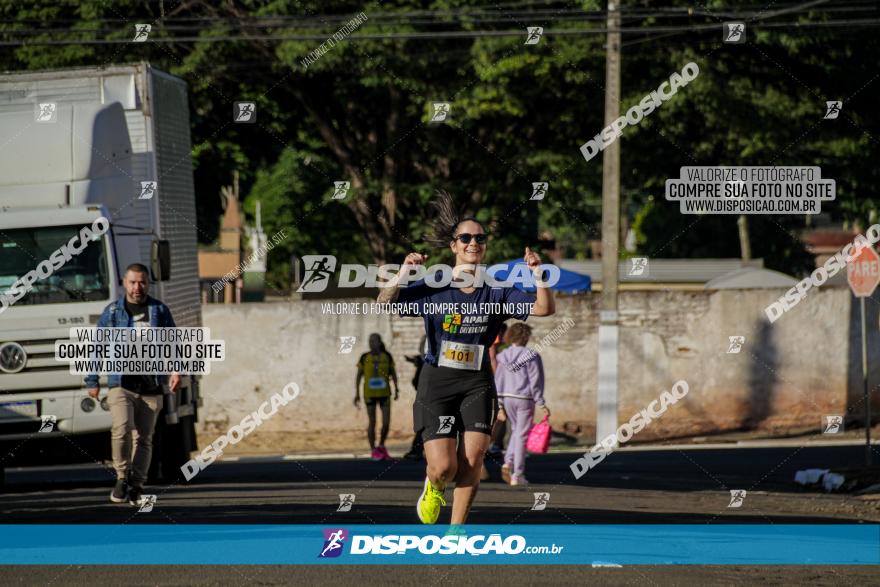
[533, 35]
[833, 425]
[141, 32]
[734, 32]
[441, 111]
[48, 423]
[146, 503]
[832, 109]
[334, 540]
[346, 500]
[148, 190]
[539, 190]
[319, 268]
[244, 112]
[736, 344]
[737, 498]
[446, 424]
[541, 500]
[340, 189]
[639, 264]
[346, 344]
[47, 112]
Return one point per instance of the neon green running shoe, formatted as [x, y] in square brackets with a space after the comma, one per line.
[428, 506]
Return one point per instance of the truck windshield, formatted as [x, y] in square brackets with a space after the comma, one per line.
[82, 278]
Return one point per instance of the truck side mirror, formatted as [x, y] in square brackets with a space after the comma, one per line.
[160, 260]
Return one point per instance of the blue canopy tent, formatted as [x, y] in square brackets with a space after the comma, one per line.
[569, 281]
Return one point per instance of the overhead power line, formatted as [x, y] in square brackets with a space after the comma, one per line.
[477, 15]
[544, 20]
[853, 23]
[246, 25]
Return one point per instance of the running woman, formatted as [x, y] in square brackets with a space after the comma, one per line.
[456, 396]
[376, 368]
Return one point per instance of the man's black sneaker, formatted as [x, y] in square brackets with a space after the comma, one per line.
[120, 491]
[134, 496]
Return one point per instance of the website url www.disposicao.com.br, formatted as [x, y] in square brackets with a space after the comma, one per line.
[479, 544]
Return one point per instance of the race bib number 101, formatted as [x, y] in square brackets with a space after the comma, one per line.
[458, 355]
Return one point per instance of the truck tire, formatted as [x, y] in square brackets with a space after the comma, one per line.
[171, 449]
[176, 449]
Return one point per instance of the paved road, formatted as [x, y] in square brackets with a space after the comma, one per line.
[439, 575]
[651, 486]
[644, 487]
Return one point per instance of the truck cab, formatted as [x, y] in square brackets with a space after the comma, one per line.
[110, 132]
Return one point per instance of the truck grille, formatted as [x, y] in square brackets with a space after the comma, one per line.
[41, 356]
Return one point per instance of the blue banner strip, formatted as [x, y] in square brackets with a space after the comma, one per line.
[601, 545]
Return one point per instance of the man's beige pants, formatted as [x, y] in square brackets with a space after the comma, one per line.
[134, 419]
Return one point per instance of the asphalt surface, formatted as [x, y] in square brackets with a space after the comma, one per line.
[639, 487]
[439, 576]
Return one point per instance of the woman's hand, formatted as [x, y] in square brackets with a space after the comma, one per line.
[502, 417]
[546, 410]
[532, 260]
[544, 304]
[415, 259]
[391, 290]
[412, 260]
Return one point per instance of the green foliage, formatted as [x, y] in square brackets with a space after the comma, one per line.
[519, 114]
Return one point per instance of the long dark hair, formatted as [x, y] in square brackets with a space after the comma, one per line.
[446, 217]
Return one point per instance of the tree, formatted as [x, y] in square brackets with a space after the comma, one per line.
[360, 113]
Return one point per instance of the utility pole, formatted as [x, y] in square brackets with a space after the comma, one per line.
[745, 245]
[607, 396]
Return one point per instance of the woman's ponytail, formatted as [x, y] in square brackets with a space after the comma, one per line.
[445, 220]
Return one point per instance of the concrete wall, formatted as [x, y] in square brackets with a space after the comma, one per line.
[785, 378]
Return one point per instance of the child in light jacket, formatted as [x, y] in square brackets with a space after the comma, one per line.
[519, 380]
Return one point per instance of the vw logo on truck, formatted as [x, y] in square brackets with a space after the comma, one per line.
[12, 357]
[74, 188]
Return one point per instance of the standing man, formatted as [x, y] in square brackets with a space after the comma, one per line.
[135, 400]
[376, 368]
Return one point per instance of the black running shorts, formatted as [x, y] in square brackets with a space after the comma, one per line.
[449, 401]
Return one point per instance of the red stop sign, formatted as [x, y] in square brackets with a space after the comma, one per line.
[863, 272]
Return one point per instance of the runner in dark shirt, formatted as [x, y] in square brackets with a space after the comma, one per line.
[453, 334]
[456, 393]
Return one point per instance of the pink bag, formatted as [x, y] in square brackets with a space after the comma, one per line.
[539, 437]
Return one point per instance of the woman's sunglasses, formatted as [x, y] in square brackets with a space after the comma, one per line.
[466, 238]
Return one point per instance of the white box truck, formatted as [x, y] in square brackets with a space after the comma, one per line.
[77, 144]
